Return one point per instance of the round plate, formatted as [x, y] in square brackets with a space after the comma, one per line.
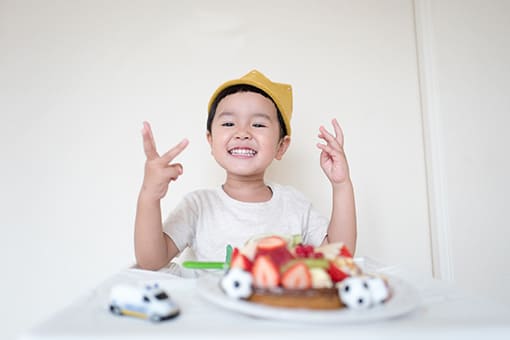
[404, 300]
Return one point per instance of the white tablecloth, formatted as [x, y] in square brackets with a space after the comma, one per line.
[444, 313]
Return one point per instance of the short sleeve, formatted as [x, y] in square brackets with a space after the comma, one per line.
[181, 223]
[316, 227]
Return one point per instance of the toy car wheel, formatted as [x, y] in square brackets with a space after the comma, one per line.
[155, 318]
[115, 310]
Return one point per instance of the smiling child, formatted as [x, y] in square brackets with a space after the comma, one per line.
[248, 127]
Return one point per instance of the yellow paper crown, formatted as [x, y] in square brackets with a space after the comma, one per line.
[280, 93]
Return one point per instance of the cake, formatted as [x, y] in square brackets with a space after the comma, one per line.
[282, 271]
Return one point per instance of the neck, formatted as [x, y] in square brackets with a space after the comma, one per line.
[247, 191]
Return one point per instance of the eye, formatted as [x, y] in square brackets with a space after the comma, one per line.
[259, 125]
[227, 124]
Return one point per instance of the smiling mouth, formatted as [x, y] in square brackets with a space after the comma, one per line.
[243, 152]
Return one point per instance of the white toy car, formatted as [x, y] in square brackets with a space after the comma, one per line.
[148, 302]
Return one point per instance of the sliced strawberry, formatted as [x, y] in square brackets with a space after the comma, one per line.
[235, 252]
[239, 260]
[344, 251]
[271, 242]
[336, 273]
[265, 273]
[297, 277]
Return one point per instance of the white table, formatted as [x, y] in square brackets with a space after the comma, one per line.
[444, 314]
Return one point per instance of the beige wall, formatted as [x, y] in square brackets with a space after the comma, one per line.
[79, 77]
[468, 70]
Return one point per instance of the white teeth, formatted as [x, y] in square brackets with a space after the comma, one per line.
[242, 152]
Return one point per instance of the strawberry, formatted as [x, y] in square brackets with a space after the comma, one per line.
[344, 251]
[276, 248]
[265, 273]
[271, 243]
[240, 260]
[336, 273]
[297, 277]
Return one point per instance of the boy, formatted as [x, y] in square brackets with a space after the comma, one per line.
[248, 126]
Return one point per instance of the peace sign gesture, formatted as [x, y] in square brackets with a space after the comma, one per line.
[332, 159]
[159, 171]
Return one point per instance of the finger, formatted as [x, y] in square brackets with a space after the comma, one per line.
[174, 171]
[338, 132]
[151, 134]
[330, 151]
[329, 138]
[175, 151]
[149, 147]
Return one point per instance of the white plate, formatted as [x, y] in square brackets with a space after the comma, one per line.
[404, 300]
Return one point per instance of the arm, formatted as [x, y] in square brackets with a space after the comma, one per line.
[342, 225]
[153, 248]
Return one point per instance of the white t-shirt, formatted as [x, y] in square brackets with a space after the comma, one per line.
[207, 220]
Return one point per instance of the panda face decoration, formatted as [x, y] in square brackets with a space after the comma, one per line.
[378, 289]
[237, 284]
[355, 293]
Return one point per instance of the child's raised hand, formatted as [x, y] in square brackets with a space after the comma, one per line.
[332, 159]
[159, 171]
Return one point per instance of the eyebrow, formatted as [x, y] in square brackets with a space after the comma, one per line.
[258, 114]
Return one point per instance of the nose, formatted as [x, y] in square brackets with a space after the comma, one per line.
[242, 134]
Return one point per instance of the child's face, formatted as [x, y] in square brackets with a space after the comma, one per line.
[245, 134]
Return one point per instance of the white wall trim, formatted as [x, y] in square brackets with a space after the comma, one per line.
[442, 265]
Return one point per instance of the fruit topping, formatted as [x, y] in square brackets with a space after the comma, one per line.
[320, 278]
[297, 277]
[310, 263]
[265, 273]
[336, 273]
[271, 242]
[239, 260]
[344, 251]
[278, 263]
[303, 250]
[307, 251]
[276, 248]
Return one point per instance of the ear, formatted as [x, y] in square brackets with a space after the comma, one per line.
[282, 147]
[209, 138]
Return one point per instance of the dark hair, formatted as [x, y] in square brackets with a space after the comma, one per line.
[243, 88]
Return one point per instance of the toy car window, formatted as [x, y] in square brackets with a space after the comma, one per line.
[146, 299]
[161, 296]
